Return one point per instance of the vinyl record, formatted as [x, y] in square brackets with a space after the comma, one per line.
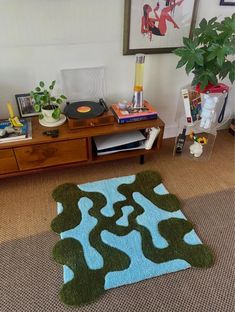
[84, 109]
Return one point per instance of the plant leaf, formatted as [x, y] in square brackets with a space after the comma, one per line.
[199, 59]
[203, 24]
[181, 63]
[51, 87]
[41, 84]
[59, 101]
[212, 78]
[189, 66]
[180, 51]
[56, 113]
[232, 72]
[212, 55]
[220, 56]
[45, 99]
[225, 69]
[211, 21]
[196, 80]
[37, 107]
[204, 82]
[187, 42]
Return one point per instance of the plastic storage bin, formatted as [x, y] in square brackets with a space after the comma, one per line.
[198, 116]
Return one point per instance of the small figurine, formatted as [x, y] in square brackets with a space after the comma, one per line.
[7, 131]
[208, 111]
[201, 140]
[197, 147]
[14, 120]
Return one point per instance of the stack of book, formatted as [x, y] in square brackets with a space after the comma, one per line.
[129, 114]
[8, 133]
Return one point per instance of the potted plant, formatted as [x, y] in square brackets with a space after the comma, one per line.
[46, 103]
[207, 53]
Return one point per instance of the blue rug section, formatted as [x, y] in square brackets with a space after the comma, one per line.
[140, 267]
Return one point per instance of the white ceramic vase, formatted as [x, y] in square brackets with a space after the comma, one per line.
[47, 115]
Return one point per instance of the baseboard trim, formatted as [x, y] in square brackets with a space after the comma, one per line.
[172, 130]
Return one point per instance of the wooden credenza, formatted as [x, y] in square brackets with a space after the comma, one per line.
[70, 148]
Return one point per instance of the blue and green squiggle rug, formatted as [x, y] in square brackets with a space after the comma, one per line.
[121, 231]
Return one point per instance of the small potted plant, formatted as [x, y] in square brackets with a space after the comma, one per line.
[207, 53]
[46, 103]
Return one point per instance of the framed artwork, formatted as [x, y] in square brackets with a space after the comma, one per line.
[157, 26]
[25, 105]
[224, 2]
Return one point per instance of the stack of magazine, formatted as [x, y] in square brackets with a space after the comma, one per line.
[130, 114]
[9, 133]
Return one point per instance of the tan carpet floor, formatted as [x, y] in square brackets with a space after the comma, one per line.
[27, 207]
[30, 280]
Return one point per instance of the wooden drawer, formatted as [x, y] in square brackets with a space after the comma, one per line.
[51, 154]
[7, 161]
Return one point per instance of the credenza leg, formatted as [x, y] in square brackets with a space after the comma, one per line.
[141, 159]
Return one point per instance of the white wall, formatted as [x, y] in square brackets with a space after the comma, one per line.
[38, 38]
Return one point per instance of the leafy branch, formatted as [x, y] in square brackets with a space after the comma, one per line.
[206, 53]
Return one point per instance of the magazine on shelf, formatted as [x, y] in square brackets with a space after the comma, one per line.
[130, 114]
[107, 144]
[17, 133]
[192, 105]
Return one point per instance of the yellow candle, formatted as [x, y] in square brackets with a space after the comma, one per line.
[10, 110]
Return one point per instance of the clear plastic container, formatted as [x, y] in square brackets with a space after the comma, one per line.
[199, 116]
[182, 149]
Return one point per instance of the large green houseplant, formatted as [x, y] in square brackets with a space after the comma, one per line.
[207, 53]
[46, 103]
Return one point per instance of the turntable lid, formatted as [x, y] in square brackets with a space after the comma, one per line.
[84, 84]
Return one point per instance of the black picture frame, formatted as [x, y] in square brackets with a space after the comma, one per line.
[224, 2]
[25, 105]
[131, 5]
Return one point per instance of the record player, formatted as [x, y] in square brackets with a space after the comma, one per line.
[88, 114]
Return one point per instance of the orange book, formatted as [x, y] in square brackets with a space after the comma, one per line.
[130, 114]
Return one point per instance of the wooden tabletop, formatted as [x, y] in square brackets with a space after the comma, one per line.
[65, 133]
